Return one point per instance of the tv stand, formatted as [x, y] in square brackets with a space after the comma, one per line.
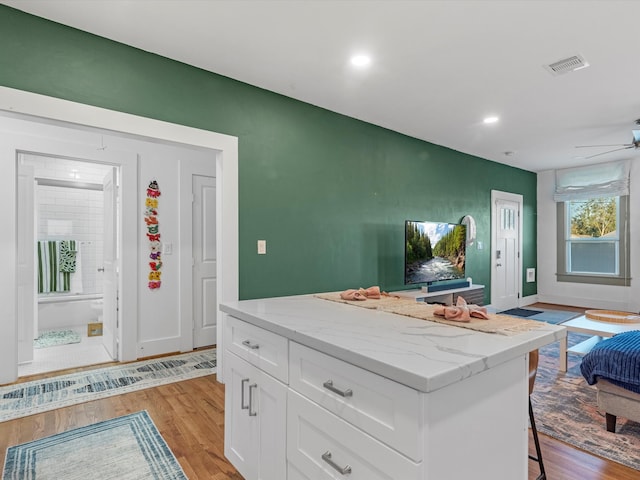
[472, 294]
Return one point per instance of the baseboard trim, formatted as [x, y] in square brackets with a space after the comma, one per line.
[585, 302]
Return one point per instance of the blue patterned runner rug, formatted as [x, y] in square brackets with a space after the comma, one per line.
[22, 399]
[124, 448]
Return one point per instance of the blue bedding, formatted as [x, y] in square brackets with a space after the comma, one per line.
[616, 359]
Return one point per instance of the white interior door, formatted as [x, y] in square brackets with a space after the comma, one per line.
[110, 265]
[25, 281]
[505, 255]
[204, 261]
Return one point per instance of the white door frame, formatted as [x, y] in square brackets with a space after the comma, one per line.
[27, 302]
[510, 197]
[225, 148]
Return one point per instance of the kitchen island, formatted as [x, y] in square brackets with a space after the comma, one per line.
[320, 390]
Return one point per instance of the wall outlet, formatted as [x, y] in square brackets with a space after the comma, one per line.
[531, 275]
[262, 247]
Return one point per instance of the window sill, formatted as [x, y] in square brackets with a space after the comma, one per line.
[594, 279]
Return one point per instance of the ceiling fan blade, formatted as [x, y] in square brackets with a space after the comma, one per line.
[610, 151]
[625, 145]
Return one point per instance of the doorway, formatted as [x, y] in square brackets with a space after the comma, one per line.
[506, 245]
[73, 218]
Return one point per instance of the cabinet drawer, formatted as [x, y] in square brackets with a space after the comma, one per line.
[319, 444]
[386, 410]
[264, 349]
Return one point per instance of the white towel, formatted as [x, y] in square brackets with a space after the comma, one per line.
[76, 277]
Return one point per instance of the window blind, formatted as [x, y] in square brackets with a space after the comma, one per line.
[592, 181]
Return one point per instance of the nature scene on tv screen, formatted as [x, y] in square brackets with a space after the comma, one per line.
[434, 251]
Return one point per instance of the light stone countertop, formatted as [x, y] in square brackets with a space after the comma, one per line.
[423, 355]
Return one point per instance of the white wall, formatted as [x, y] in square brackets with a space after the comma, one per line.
[579, 294]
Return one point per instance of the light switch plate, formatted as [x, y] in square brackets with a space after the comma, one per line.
[262, 247]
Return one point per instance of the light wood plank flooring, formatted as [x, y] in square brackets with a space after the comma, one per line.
[190, 416]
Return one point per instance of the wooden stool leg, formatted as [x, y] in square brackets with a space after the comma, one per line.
[611, 422]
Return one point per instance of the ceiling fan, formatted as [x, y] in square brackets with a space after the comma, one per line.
[635, 144]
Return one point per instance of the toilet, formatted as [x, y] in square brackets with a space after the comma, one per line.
[97, 306]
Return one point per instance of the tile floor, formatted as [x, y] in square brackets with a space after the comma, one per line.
[88, 352]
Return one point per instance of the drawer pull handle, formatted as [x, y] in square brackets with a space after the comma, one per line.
[252, 346]
[251, 412]
[343, 393]
[242, 405]
[326, 456]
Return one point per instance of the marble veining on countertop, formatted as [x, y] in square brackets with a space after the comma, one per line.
[420, 354]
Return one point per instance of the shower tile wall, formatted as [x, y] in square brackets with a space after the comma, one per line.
[72, 213]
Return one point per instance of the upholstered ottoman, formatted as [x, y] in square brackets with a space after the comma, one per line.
[616, 402]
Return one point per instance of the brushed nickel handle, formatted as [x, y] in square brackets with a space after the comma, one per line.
[242, 405]
[252, 346]
[346, 470]
[251, 412]
[343, 393]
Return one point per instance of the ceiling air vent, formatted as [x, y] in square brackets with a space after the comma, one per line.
[567, 65]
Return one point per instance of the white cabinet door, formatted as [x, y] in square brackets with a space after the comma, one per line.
[238, 434]
[268, 400]
[255, 419]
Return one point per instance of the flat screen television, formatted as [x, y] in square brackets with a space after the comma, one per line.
[434, 252]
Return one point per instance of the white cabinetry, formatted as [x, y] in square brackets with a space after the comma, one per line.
[384, 409]
[255, 408]
[325, 447]
[317, 390]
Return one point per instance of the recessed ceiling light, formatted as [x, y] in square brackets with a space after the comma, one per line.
[490, 120]
[360, 60]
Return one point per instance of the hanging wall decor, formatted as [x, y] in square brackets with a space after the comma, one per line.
[153, 235]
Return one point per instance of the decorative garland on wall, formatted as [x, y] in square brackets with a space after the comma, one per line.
[153, 234]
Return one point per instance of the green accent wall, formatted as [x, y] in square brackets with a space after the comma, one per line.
[328, 193]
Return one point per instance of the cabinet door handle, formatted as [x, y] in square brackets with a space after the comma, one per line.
[252, 346]
[251, 412]
[326, 456]
[242, 405]
[343, 393]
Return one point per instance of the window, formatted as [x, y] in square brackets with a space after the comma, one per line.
[593, 240]
[593, 223]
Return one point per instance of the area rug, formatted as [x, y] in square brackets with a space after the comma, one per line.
[22, 399]
[520, 312]
[548, 316]
[123, 448]
[565, 408]
[53, 338]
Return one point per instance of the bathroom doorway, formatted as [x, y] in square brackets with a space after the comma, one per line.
[71, 214]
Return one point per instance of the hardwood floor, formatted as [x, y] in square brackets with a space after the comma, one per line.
[190, 416]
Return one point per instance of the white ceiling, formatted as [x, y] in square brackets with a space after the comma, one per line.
[439, 67]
